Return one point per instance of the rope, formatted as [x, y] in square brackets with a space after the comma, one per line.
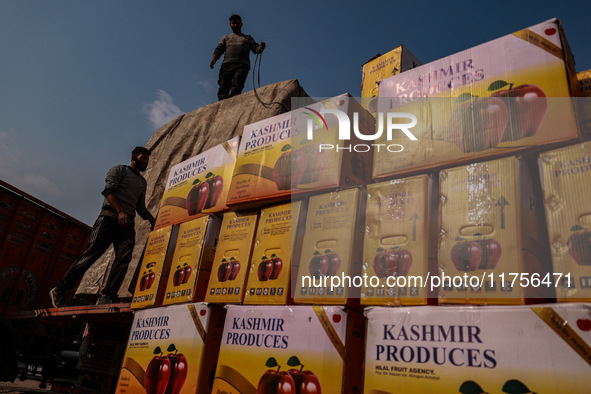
[259, 58]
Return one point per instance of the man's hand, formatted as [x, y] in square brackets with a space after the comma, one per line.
[211, 64]
[261, 47]
[123, 219]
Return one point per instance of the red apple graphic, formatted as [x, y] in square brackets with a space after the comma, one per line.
[289, 168]
[235, 268]
[318, 265]
[224, 271]
[527, 106]
[197, 197]
[584, 324]
[178, 371]
[151, 277]
[275, 382]
[315, 161]
[491, 253]
[579, 245]
[188, 271]
[216, 186]
[144, 281]
[478, 124]
[466, 255]
[404, 261]
[306, 382]
[334, 262]
[385, 263]
[265, 269]
[179, 276]
[277, 266]
[157, 374]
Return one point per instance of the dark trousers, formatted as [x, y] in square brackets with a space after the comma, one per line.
[105, 231]
[231, 79]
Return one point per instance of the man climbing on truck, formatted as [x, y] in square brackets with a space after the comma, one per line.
[125, 193]
[236, 49]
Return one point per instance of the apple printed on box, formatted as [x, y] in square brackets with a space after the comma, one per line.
[270, 266]
[492, 349]
[167, 350]
[498, 98]
[297, 349]
[154, 265]
[198, 186]
[566, 183]
[492, 231]
[276, 159]
[400, 241]
[192, 260]
[230, 266]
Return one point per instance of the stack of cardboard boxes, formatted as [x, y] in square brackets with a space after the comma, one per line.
[335, 233]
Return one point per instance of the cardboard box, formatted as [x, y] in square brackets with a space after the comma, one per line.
[508, 95]
[583, 103]
[566, 182]
[332, 251]
[192, 260]
[381, 67]
[270, 268]
[312, 348]
[155, 265]
[516, 349]
[232, 257]
[400, 244]
[493, 234]
[584, 78]
[175, 346]
[276, 159]
[198, 186]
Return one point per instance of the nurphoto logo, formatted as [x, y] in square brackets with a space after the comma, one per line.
[392, 120]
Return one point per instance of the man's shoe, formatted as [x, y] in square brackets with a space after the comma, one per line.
[58, 297]
[105, 299]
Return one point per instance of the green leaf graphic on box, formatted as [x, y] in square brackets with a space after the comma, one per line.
[271, 362]
[496, 85]
[464, 97]
[576, 227]
[286, 148]
[293, 361]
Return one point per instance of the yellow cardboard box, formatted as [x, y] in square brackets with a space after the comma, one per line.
[504, 96]
[154, 267]
[329, 271]
[400, 242]
[566, 182]
[198, 186]
[493, 246]
[172, 349]
[192, 260]
[232, 256]
[277, 160]
[270, 267]
[492, 349]
[381, 67]
[295, 349]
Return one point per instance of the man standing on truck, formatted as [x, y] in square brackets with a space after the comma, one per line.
[236, 49]
[125, 193]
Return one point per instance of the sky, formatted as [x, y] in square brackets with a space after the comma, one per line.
[83, 82]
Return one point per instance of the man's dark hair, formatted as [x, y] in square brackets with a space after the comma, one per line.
[138, 150]
[235, 17]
